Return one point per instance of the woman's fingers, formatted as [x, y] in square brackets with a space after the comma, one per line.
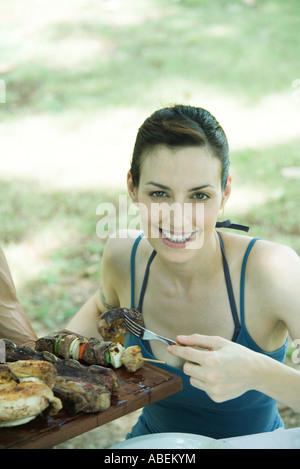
[197, 348]
[189, 354]
[221, 368]
[203, 341]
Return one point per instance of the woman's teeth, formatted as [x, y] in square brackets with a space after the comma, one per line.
[176, 238]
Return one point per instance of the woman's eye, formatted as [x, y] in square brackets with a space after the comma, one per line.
[158, 194]
[200, 196]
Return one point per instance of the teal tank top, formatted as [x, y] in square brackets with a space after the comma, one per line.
[191, 410]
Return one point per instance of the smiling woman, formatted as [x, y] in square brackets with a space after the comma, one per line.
[182, 213]
[185, 277]
[191, 141]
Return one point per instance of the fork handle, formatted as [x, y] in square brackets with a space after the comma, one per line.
[166, 341]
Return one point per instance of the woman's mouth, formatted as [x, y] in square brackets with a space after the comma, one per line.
[175, 239]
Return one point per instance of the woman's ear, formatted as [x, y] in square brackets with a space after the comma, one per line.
[131, 188]
[227, 191]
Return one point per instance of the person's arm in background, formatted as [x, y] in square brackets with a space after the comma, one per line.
[14, 324]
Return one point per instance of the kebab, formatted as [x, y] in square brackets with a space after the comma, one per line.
[93, 351]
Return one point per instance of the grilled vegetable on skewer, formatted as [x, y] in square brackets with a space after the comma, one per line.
[103, 353]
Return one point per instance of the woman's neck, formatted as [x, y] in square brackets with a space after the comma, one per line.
[203, 263]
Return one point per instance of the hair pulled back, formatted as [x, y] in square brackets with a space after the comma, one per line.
[180, 126]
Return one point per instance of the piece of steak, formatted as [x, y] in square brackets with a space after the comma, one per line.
[81, 396]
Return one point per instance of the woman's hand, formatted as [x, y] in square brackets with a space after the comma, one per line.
[221, 368]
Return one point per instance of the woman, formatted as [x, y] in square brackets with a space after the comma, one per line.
[227, 299]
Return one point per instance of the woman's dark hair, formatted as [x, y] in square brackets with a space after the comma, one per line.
[180, 126]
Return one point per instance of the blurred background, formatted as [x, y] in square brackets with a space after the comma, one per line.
[77, 79]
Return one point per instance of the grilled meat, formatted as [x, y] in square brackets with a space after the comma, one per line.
[92, 351]
[103, 352]
[98, 374]
[46, 343]
[132, 358]
[62, 344]
[94, 374]
[6, 374]
[81, 388]
[22, 398]
[111, 323]
[78, 395]
[42, 370]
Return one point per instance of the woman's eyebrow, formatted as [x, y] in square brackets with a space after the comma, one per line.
[200, 187]
[162, 186]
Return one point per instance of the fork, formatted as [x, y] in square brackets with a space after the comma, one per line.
[143, 333]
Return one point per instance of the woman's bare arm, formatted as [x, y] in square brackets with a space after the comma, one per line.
[86, 319]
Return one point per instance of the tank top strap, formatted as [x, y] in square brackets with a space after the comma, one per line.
[242, 281]
[144, 285]
[235, 317]
[132, 268]
[132, 274]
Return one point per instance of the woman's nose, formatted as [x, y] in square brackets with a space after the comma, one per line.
[177, 217]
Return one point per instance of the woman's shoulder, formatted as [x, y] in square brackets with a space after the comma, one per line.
[272, 268]
[118, 249]
[263, 252]
[269, 256]
[274, 275]
[274, 264]
[266, 261]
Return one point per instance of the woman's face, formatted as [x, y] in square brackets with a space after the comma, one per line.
[180, 196]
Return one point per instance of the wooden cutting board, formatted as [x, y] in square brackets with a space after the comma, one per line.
[147, 385]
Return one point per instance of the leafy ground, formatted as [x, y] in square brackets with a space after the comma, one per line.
[79, 78]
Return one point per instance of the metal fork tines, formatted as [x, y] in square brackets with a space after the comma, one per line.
[143, 333]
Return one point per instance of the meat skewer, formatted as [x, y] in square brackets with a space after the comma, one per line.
[93, 351]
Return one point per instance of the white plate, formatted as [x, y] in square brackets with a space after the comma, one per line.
[170, 441]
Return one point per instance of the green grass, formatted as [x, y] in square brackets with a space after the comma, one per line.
[72, 59]
[247, 51]
[277, 219]
[64, 225]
